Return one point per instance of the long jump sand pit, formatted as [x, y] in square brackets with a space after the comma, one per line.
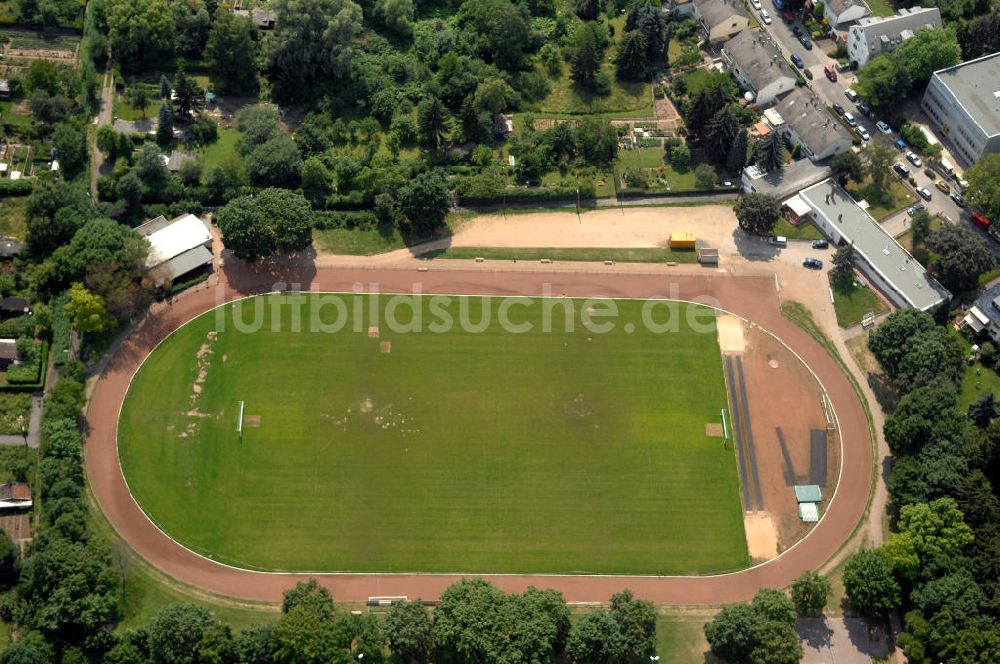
[611, 227]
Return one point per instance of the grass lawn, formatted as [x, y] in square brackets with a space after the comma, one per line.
[144, 594]
[905, 239]
[804, 231]
[652, 158]
[14, 216]
[634, 255]
[977, 380]
[17, 120]
[631, 99]
[461, 451]
[680, 637]
[125, 111]
[852, 302]
[885, 201]
[357, 241]
[881, 8]
[224, 146]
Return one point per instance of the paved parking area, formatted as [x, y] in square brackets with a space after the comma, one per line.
[841, 641]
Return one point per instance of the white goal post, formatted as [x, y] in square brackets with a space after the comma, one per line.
[239, 421]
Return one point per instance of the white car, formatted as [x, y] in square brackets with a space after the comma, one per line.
[755, 4]
[851, 94]
[863, 133]
[765, 17]
[914, 159]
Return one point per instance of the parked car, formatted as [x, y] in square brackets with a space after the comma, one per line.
[797, 61]
[957, 197]
[838, 109]
[755, 4]
[914, 159]
[864, 109]
[806, 42]
[883, 127]
[851, 94]
[924, 193]
[900, 144]
[980, 220]
[812, 263]
[786, 16]
[863, 133]
[778, 240]
[765, 17]
[830, 72]
[942, 185]
[820, 244]
[902, 170]
[850, 119]
[915, 209]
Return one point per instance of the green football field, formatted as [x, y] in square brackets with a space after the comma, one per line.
[454, 451]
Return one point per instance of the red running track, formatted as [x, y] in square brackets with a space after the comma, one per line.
[750, 297]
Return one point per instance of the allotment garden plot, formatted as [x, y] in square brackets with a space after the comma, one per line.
[368, 449]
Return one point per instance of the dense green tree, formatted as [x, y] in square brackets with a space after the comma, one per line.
[257, 124]
[231, 52]
[921, 414]
[809, 593]
[311, 596]
[761, 632]
[596, 141]
[984, 185]
[757, 213]
[888, 342]
[142, 33]
[43, 75]
[87, 311]
[188, 95]
[432, 123]
[884, 82]
[984, 410]
[275, 163]
[631, 60]
[470, 623]
[273, 220]
[770, 152]
[70, 139]
[593, 639]
[176, 632]
[880, 155]
[959, 257]
[408, 629]
[254, 646]
[736, 158]
[31, 649]
[312, 45]
[927, 51]
[165, 125]
[649, 20]
[843, 264]
[55, 211]
[870, 584]
[715, 92]
[303, 636]
[498, 29]
[395, 15]
[920, 228]
[425, 202]
[150, 166]
[980, 36]
[193, 22]
[847, 165]
[721, 131]
[130, 189]
[317, 181]
[588, 10]
[938, 530]
[588, 55]
[732, 634]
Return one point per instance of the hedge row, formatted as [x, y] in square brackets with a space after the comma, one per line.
[16, 187]
[329, 219]
[61, 331]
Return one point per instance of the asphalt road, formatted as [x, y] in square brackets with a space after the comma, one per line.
[834, 92]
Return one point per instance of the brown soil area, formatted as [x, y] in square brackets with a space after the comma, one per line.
[783, 394]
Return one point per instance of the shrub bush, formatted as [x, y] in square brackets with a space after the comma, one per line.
[16, 187]
[28, 371]
[330, 219]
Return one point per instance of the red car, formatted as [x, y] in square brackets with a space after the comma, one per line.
[980, 220]
[786, 16]
[830, 72]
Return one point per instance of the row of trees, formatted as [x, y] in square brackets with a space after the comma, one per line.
[939, 565]
[888, 78]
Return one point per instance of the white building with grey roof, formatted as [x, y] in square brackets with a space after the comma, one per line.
[963, 103]
[841, 12]
[882, 34]
[883, 261]
[758, 66]
[719, 19]
[805, 120]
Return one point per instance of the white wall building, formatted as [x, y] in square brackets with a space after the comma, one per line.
[882, 34]
[963, 103]
[176, 247]
[841, 12]
[880, 258]
[758, 66]
[803, 119]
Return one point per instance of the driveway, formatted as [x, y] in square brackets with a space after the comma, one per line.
[841, 641]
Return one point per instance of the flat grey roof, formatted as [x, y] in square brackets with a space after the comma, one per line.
[976, 86]
[792, 178]
[890, 260]
[180, 265]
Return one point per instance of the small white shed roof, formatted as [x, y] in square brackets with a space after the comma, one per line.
[180, 235]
